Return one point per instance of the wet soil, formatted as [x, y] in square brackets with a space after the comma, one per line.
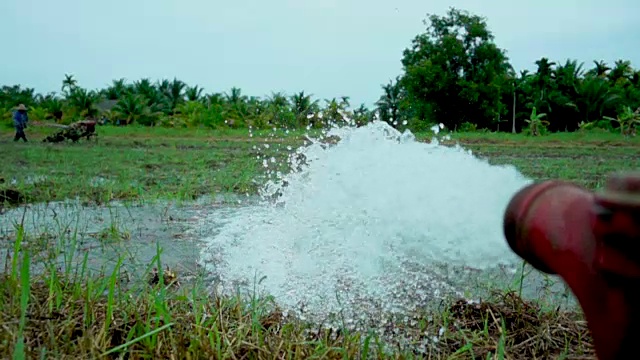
[70, 233]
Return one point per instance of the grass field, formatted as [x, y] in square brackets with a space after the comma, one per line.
[136, 163]
[65, 313]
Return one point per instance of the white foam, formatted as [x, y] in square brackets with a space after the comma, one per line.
[368, 217]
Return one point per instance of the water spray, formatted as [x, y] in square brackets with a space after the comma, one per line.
[371, 223]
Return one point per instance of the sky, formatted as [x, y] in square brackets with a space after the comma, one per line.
[327, 48]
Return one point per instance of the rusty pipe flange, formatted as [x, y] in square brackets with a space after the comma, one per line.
[514, 217]
[622, 190]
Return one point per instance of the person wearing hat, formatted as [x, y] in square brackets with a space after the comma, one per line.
[20, 119]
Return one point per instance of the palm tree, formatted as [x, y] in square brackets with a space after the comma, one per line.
[600, 69]
[214, 99]
[279, 109]
[69, 84]
[163, 86]
[116, 90]
[237, 106]
[84, 101]
[145, 88]
[254, 108]
[621, 72]
[132, 108]
[153, 97]
[543, 78]
[335, 111]
[193, 93]
[303, 107]
[595, 97]
[176, 93]
[344, 100]
[235, 96]
[278, 99]
[52, 104]
[361, 115]
[635, 79]
[191, 112]
[11, 96]
[388, 105]
[562, 96]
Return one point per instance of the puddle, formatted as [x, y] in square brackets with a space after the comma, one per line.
[103, 234]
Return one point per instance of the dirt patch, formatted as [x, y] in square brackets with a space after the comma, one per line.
[526, 331]
[151, 166]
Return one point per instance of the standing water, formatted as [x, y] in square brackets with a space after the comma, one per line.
[376, 222]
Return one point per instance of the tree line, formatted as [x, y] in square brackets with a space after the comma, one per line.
[453, 73]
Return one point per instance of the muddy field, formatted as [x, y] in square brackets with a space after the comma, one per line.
[71, 232]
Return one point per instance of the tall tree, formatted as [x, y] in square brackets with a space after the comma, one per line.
[388, 105]
[454, 71]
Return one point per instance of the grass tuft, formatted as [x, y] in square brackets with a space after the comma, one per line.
[63, 316]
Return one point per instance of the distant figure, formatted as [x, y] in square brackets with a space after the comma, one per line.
[20, 119]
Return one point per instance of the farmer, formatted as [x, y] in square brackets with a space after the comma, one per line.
[20, 119]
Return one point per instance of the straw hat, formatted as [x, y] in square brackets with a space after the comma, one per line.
[22, 107]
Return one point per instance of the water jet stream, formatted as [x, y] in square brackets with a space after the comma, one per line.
[375, 222]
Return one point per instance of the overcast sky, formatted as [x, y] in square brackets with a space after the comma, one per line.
[325, 47]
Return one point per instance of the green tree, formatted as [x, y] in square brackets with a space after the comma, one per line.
[116, 90]
[303, 107]
[562, 95]
[68, 84]
[133, 108]
[84, 102]
[454, 72]
[600, 69]
[388, 105]
[193, 93]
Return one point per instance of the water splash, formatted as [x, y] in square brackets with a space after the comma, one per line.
[376, 221]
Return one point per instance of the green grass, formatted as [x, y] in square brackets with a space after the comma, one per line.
[66, 313]
[584, 158]
[147, 163]
[138, 163]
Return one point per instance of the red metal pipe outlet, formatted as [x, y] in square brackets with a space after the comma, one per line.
[592, 241]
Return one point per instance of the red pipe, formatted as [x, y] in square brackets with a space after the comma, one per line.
[592, 241]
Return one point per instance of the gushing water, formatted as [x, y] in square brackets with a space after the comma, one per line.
[375, 221]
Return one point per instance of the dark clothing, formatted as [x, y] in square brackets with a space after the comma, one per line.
[20, 135]
[20, 120]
